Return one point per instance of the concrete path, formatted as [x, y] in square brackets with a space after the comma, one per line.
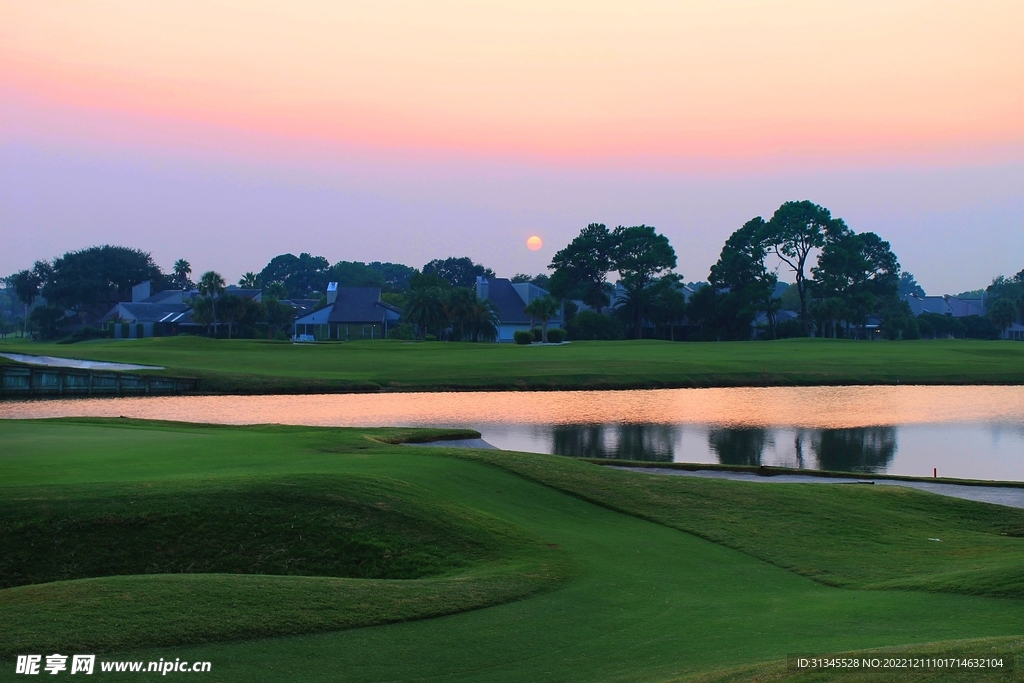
[52, 362]
[998, 495]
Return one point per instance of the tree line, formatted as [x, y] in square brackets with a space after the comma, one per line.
[842, 279]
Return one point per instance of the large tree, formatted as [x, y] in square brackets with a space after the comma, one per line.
[641, 257]
[98, 277]
[396, 276]
[356, 274]
[303, 276]
[858, 270]
[909, 285]
[457, 271]
[745, 284]
[1010, 289]
[795, 230]
[581, 268]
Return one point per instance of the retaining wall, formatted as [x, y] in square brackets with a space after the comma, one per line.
[19, 381]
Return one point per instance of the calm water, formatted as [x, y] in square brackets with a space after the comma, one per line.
[973, 432]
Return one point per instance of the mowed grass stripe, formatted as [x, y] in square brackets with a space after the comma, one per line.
[265, 367]
[846, 536]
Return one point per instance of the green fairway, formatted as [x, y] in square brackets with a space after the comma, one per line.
[248, 366]
[494, 566]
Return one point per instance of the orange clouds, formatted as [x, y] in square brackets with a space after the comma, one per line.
[584, 81]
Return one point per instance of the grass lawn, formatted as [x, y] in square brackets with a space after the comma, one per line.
[292, 553]
[251, 366]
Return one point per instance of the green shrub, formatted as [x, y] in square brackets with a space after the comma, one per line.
[538, 335]
[925, 328]
[523, 337]
[591, 325]
[403, 331]
[556, 335]
[979, 327]
[789, 328]
[430, 337]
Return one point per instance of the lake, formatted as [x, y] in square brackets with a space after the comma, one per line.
[972, 432]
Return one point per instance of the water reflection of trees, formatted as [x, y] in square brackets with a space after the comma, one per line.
[738, 446]
[623, 442]
[866, 449]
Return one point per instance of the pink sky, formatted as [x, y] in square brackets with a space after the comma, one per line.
[407, 131]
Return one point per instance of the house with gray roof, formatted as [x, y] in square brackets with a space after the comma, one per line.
[510, 299]
[351, 313]
[952, 306]
[149, 314]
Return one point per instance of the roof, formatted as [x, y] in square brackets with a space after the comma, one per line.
[360, 305]
[142, 312]
[302, 306]
[511, 299]
[168, 296]
[945, 305]
[254, 294]
[502, 293]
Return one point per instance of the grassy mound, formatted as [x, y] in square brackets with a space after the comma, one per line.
[103, 566]
[356, 527]
[845, 536]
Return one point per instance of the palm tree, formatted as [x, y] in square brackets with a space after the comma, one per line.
[543, 308]
[1002, 312]
[211, 285]
[26, 286]
[459, 308]
[182, 269]
[250, 281]
[483, 320]
[424, 308]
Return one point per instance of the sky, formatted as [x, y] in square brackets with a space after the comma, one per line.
[227, 132]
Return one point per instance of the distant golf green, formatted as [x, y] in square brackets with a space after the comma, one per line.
[251, 366]
[293, 553]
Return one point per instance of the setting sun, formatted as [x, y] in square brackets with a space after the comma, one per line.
[534, 243]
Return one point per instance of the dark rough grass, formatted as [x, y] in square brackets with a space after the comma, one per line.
[355, 527]
[846, 536]
[95, 567]
[263, 367]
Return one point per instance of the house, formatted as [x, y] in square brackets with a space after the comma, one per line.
[351, 313]
[510, 299]
[952, 306]
[161, 314]
[1014, 332]
[149, 315]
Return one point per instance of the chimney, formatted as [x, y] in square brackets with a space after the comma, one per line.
[141, 291]
[483, 288]
[332, 292]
